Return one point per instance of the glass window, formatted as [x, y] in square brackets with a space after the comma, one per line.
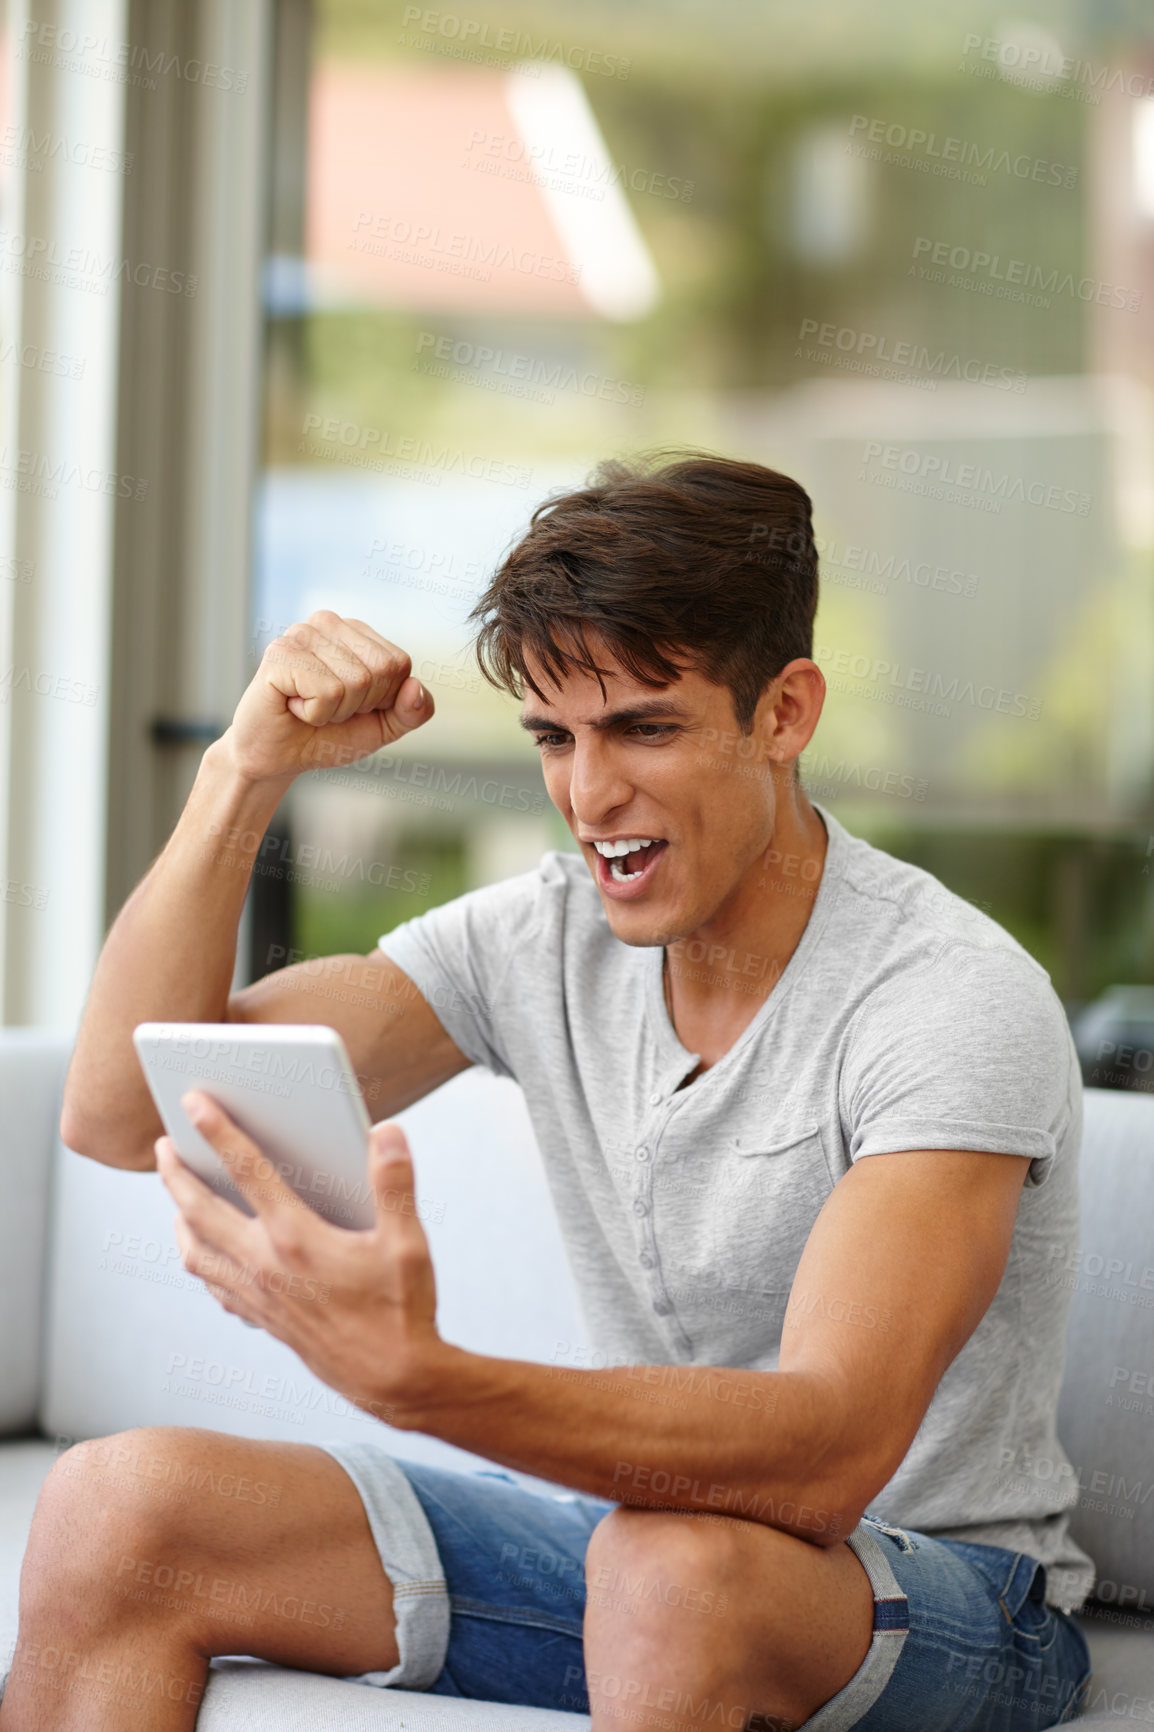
[909, 261]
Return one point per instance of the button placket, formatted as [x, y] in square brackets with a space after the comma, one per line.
[650, 1139]
[645, 1155]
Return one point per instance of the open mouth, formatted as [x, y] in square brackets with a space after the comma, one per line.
[629, 861]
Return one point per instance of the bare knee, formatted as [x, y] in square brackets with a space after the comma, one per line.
[758, 1620]
[662, 1565]
[658, 1621]
[110, 1514]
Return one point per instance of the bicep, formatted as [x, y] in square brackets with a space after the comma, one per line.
[898, 1271]
[396, 1042]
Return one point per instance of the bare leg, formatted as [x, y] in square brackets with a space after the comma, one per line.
[694, 1619]
[154, 1550]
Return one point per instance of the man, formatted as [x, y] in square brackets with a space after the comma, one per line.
[810, 1122]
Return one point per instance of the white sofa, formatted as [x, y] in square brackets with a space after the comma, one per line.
[101, 1330]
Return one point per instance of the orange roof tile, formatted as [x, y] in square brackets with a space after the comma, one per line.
[404, 206]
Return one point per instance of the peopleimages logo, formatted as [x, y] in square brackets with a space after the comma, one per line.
[23, 147]
[965, 483]
[1015, 276]
[925, 150]
[103, 57]
[873, 346]
[543, 163]
[457, 252]
[39, 256]
[472, 34]
[478, 363]
[1033, 66]
[892, 682]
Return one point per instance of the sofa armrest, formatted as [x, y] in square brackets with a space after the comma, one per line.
[32, 1066]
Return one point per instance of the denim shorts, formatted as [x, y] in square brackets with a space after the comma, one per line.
[489, 1596]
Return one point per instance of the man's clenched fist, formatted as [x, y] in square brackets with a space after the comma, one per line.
[328, 692]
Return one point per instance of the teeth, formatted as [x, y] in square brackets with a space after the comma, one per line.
[610, 849]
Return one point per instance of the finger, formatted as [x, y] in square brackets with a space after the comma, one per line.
[394, 1183]
[232, 1301]
[203, 1260]
[389, 665]
[228, 1284]
[321, 688]
[215, 1220]
[365, 630]
[412, 708]
[248, 1166]
[396, 695]
[337, 682]
[311, 690]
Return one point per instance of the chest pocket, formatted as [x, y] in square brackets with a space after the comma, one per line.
[798, 1149]
[764, 1190]
[775, 1182]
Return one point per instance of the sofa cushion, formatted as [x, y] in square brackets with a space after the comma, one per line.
[245, 1697]
[1122, 1686]
[1106, 1410]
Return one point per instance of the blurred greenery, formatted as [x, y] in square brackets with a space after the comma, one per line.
[1082, 906]
[350, 920]
[773, 42]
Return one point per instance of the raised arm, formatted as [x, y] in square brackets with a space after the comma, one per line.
[328, 692]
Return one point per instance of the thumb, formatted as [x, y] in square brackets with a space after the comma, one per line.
[412, 706]
[391, 1170]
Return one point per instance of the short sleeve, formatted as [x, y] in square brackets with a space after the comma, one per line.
[459, 957]
[971, 1051]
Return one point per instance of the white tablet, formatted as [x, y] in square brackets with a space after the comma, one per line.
[290, 1086]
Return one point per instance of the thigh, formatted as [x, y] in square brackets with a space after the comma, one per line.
[245, 1547]
[963, 1642]
[514, 1564]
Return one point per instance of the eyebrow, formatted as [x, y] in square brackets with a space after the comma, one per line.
[642, 712]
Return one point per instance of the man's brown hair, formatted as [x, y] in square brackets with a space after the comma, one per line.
[670, 556]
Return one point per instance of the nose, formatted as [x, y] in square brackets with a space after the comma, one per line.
[597, 786]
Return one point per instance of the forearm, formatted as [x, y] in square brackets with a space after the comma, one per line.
[169, 956]
[765, 1446]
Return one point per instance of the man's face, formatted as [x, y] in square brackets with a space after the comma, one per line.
[660, 767]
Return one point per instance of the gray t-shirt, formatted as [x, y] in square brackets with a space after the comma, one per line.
[905, 1019]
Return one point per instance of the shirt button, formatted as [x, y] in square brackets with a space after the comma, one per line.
[640, 1206]
[662, 1307]
[647, 1259]
[655, 1100]
[642, 1153]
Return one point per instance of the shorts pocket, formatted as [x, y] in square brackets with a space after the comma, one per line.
[1036, 1625]
[1023, 1599]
